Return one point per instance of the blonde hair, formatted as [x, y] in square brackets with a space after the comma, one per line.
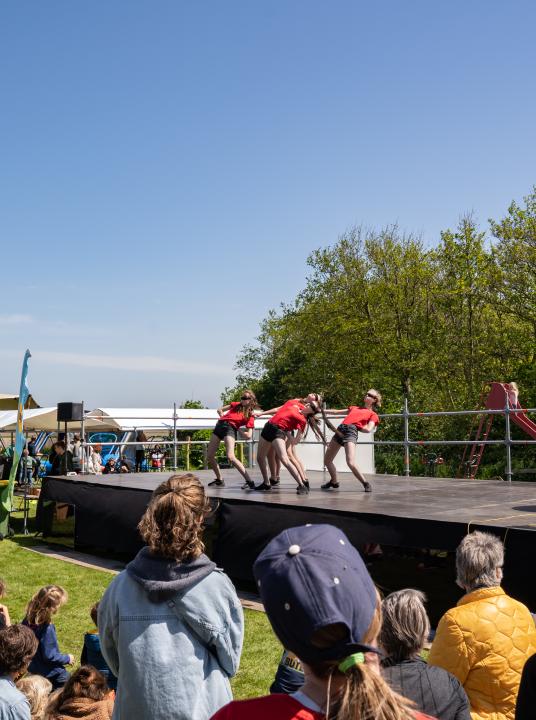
[364, 693]
[248, 411]
[378, 402]
[45, 603]
[172, 525]
[37, 689]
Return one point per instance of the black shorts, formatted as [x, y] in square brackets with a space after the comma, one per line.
[223, 428]
[349, 434]
[271, 432]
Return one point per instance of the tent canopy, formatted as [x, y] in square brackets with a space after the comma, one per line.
[39, 419]
[158, 420]
[11, 402]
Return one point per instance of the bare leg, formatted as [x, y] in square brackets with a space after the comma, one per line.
[281, 452]
[329, 457]
[272, 462]
[349, 449]
[229, 443]
[296, 461]
[212, 448]
[262, 453]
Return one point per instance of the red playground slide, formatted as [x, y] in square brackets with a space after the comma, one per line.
[496, 399]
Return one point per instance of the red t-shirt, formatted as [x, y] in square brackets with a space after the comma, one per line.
[275, 707]
[235, 416]
[360, 416]
[289, 417]
[270, 707]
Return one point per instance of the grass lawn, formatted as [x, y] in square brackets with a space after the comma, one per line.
[25, 572]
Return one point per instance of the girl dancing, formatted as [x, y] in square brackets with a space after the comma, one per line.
[358, 419]
[232, 418]
[293, 415]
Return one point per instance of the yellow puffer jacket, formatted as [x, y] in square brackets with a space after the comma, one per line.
[485, 641]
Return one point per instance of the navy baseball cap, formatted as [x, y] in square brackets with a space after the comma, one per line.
[310, 577]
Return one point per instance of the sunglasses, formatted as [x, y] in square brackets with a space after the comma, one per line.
[372, 397]
[245, 397]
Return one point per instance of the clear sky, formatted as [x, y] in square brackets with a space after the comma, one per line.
[166, 167]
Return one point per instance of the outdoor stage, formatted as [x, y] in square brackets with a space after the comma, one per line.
[413, 512]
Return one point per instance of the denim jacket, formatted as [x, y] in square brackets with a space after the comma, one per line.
[172, 634]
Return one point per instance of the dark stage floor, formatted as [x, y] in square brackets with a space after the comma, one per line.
[490, 503]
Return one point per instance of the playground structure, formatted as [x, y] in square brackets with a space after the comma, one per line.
[501, 397]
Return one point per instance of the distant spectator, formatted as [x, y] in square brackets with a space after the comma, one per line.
[323, 607]
[140, 450]
[124, 465]
[158, 458]
[110, 467]
[37, 690]
[94, 463]
[62, 461]
[171, 624]
[85, 695]
[289, 674]
[32, 446]
[76, 449]
[27, 468]
[92, 654]
[48, 660]
[487, 638]
[17, 647]
[5, 620]
[405, 629]
[526, 698]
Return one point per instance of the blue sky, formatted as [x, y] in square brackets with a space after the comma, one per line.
[166, 168]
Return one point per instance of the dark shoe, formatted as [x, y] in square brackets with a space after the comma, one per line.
[264, 487]
[367, 487]
[217, 483]
[329, 485]
[301, 490]
[275, 483]
[248, 485]
[306, 483]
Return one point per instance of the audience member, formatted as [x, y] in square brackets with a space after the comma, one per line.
[94, 463]
[405, 628]
[140, 450]
[27, 467]
[526, 698]
[37, 690]
[85, 695]
[324, 608]
[289, 674]
[5, 620]
[171, 625]
[125, 466]
[110, 467]
[17, 647]
[62, 459]
[486, 639]
[31, 446]
[158, 458]
[92, 654]
[48, 660]
[76, 449]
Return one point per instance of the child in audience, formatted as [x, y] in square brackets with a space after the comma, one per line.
[91, 652]
[4, 612]
[48, 660]
[324, 608]
[85, 695]
[37, 690]
[17, 647]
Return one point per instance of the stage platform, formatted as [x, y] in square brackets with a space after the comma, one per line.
[413, 512]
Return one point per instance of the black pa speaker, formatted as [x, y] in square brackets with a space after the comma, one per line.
[70, 412]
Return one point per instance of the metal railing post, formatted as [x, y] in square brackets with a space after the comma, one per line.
[174, 436]
[508, 442]
[406, 439]
[251, 445]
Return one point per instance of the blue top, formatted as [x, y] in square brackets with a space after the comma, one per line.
[13, 704]
[92, 655]
[48, 656]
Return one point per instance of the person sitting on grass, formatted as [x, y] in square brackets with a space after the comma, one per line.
[92, 654]
[17, 647]
[324, 608]
[171, 625]
[85, 695]
[48, 660]
[5, 620]
[405, 629]
[37, 690]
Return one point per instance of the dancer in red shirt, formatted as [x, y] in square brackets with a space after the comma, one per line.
[233, 418]
[358, 419]
[293, 415]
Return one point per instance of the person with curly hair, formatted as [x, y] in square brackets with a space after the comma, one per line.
[17, 647]
[48, 661]
[171, 625]
[37, 690]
